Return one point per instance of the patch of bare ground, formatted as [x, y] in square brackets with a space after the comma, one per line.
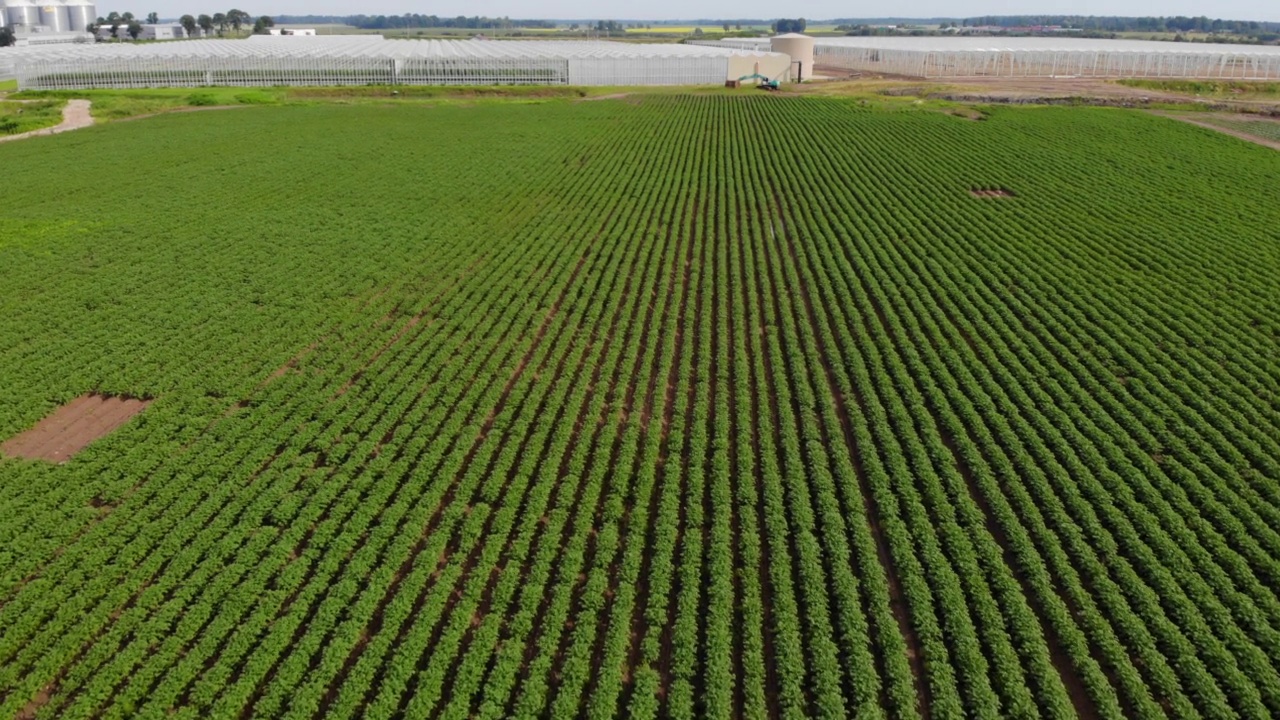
[1233, 132]
[73, 427]
[611, 96]
[991, 193]
[1012, 89]
[32, 708]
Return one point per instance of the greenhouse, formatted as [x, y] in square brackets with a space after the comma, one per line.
[939, 57]
[371, 60]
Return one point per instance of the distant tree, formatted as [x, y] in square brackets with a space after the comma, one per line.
[784, 25]
[206, 24]
[135, 29]
[6, 36]
[220, 20]
[737, 26]
[188, 24]
[127, 17]
[608, 27]
[153, 18]
[726, 27]
[697, 32]
[261, 24]
[238, 19]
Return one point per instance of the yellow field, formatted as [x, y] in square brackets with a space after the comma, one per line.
[689, 29]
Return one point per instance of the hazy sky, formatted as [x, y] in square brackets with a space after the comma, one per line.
[669, 9]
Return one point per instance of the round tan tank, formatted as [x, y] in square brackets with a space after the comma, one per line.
[800, 49]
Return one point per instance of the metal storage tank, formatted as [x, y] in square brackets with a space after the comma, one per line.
[53, 15]
[22, 13]
[81, 14]
[800, 48]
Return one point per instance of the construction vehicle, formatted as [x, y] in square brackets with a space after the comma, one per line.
[764, 84]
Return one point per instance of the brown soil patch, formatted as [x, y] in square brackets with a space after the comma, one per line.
[612, 96]
[991, 193]
[32, 708]
[72, 427]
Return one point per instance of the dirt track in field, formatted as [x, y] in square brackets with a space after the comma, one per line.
[1225, 130]
[175, 111]
[74, 116]
[72, 427]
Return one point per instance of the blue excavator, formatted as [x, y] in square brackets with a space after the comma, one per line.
[764, 84]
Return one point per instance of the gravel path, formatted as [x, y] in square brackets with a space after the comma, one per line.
[74, 116]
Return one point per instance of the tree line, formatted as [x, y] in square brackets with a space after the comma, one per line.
[416, 20]
[232, 21]
[1179, 23]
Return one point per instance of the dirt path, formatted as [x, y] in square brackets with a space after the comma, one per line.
[614, 96]
[177, 110]
[1225, 130]
[72, 427]
[74, 116]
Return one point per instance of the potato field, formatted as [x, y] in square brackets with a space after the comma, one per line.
[666, 406]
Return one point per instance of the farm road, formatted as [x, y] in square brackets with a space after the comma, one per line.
[74, 116]
[1225, 130]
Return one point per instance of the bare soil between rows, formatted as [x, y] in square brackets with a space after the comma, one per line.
[73, 427]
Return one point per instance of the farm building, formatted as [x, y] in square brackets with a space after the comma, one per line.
[938, 57]
[163, 31]
[364, 60]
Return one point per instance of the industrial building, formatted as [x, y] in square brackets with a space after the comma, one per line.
[162, 31]
[265, 60]
[971, 57]
[49, 22]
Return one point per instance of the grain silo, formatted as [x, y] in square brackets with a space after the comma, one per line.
[23, 14]
[81, 14]
[53, 15]
[800, 49]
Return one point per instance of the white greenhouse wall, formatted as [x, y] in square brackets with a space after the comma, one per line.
[1037, 57]
[1049, 63]
[366, 61]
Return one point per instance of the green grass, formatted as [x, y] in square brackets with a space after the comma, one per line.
[8, 85]
[1224, 89]
[714, 405]
[1257, 127]
[21, 117]
[122, 104]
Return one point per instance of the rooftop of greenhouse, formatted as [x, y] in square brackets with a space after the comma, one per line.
[367, 46]
[1005, 44]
